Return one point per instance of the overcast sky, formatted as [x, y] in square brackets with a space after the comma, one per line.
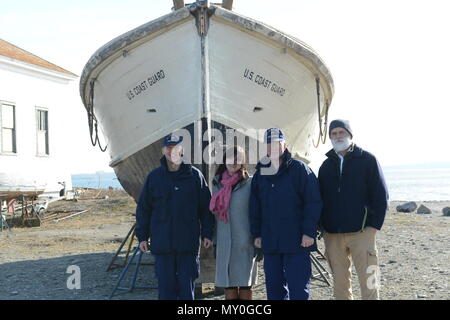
[389, 60]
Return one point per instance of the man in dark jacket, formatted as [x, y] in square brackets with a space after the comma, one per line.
[355, 203]
[173, 212]
[285, 209]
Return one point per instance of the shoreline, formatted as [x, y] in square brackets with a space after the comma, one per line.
[436, 207]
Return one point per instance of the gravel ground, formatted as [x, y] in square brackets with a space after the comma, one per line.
[413, 252]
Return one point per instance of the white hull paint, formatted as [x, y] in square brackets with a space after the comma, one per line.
[127, 123]
[17, 180]
[164, 76]
[13, 185]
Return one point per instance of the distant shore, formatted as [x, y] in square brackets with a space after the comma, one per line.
[420, 183]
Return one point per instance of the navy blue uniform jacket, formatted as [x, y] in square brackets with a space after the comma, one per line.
[355, 198]
[285, 206]
[173, 210]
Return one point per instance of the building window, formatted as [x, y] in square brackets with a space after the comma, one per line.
[42, 132]
[8, 128]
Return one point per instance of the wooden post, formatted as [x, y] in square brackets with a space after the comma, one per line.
[227, 4]
[178, 4]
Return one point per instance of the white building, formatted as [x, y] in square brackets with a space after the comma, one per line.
[35, 101]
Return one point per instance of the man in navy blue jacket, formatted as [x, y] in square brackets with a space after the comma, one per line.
[355, 203]
[173, 211]
[285, 208]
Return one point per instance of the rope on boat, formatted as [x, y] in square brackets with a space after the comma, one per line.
[92, 120]
[323, 128]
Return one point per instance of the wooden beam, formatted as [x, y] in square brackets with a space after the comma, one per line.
[227, 4]
[177, 4]
[72, 215]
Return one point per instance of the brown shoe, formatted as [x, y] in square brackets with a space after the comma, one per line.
[245, 294]
[231, 294]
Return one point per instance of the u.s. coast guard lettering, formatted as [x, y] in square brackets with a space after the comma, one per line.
[264, 82]
[145, 84]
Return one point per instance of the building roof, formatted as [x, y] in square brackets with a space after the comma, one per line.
[11, 51]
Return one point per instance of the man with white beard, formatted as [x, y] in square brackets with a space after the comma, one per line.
[355, 202]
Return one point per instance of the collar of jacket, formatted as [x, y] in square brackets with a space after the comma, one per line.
[216, 182]
[354, 152]
[184, 168]
[286, 158]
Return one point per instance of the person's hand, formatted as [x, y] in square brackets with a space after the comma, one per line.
[207, 243]
[258, 243]
[143, 245]
[307, 241]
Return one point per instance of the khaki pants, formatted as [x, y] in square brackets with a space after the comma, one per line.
[343, 248]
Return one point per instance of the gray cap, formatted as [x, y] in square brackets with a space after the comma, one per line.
[339, 123]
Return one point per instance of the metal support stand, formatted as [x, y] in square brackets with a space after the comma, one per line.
[133, 286]
[3, 223]
[323, 274]
[28, 212]
[130, 233]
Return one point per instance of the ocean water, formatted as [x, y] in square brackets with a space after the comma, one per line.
[415, 183]
[420, 183]
[98, 180]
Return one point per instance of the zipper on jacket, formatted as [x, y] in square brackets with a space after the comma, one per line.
[364, 220]
[340, 177]
[340, 180]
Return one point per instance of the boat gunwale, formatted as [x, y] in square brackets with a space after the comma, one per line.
[281, 38]
[120, 43]
[171, 20]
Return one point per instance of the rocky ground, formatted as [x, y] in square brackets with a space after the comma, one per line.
[35, 263]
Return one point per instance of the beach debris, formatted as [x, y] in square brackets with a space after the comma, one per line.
[423, 210]
[392, 261]
[446, 211]
[407, 207]
[40, 208]
[78, 192]
[72, 215]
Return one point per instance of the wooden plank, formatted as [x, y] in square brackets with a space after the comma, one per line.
[72, 215]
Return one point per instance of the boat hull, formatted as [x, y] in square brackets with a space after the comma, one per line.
[166, 76]
[213, 76]
[16, 184]
[133, 171]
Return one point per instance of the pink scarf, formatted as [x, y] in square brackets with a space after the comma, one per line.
[220, 201]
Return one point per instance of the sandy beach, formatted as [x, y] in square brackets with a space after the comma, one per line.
[413, 252]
